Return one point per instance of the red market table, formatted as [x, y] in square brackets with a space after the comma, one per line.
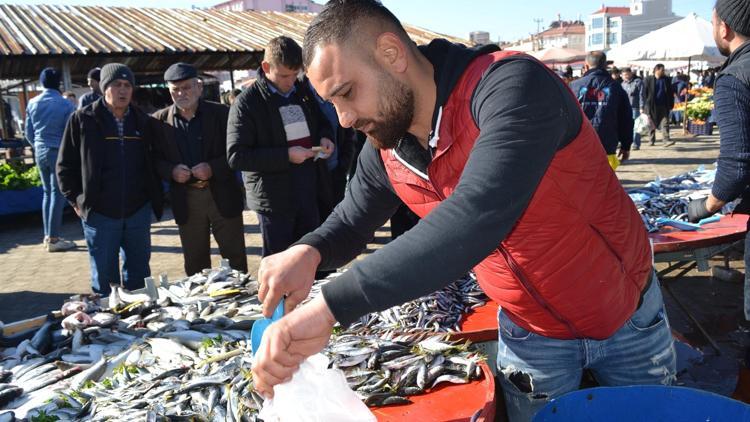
[686, 250]
[474, 401]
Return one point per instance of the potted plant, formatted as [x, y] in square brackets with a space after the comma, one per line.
[698, 113]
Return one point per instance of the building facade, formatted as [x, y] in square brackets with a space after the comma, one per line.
[271, 5]
[612, 26]
[567, 35]
[479, 37]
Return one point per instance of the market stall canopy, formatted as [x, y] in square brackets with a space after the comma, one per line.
[688, 38]
[559, 55]
[146, 39]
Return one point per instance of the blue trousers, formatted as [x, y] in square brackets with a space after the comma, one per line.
[534, 369]
[109, 239]
[636, 135]
[53, 202]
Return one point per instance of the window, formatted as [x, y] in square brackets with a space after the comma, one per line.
[614, 23]
[597, 23]
[613, 38]
[596, 39]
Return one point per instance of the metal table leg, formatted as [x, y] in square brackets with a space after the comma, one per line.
[666, 282]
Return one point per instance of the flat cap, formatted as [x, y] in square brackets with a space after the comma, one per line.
[179, 72]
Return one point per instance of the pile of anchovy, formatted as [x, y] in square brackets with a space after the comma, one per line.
[669, 198]
[182, 353]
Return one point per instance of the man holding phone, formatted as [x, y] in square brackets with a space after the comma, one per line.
[274, 131]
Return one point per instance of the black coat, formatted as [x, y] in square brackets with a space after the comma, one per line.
[257, 145]
[649, 94]
[79, 163]
[224, 185]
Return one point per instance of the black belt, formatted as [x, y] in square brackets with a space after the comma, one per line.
[645, 288]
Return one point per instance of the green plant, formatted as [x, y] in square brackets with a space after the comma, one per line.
[700, 110]
[18, 177]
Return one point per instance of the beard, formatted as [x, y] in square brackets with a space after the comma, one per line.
[395, 113]
[723, 47]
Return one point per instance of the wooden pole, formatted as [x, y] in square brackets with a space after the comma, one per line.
[684, 117]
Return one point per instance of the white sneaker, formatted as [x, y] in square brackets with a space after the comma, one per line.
[60, 246]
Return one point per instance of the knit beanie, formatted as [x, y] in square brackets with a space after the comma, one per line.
[113, 71]
[50, 78]
[736, 14]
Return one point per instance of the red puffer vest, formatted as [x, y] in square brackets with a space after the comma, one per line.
[577, 260]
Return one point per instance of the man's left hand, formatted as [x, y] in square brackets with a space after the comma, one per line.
[624, 154]
[327, 146]
[697, 210]
[202, 171]
[289, 341]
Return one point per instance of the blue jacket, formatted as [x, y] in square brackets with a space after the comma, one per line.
[46, 117]
[607, 106]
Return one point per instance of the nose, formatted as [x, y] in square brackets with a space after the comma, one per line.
[346, 118]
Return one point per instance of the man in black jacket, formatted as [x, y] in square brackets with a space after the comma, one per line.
[606, 104]
[273, 128]
[731, 23]
[658, 100]
[106, 172]
[191, 154]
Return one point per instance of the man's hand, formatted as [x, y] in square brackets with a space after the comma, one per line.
[298, 155]
[328, 147]
[202, 171]
[77, 210]
[181, 173]
[697, 210]
[624, 154]
[290, 273]
[289, 341]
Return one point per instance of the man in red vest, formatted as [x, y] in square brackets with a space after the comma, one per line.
[491, 150]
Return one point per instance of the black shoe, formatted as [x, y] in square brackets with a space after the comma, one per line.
[670, 143]
[653, 143]
[636, 148]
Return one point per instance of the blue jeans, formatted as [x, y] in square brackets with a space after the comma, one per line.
[636, 135]
[108, 239]
[53, 202]
[534, 369]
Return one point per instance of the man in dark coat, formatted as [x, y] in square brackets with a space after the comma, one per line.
[606, 105]
[276, 130]
[107, 175]
[658, 100]
[191, 155]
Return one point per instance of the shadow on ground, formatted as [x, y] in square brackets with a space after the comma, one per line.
[17, 306]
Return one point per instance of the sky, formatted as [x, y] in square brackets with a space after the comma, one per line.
[505, 20]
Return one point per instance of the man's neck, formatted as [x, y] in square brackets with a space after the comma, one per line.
[188, 113]
[118, 112]
[736, 43]
[425, 99]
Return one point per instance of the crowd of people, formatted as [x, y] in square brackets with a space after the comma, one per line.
[495, 162]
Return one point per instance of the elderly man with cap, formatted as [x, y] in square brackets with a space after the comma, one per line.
[191, 155]
[46, 116]
[107, 174]
[93, 80]
[731, 23]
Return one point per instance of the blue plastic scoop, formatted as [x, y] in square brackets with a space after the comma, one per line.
[259, 326]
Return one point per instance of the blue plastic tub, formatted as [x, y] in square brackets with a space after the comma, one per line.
[644, 403]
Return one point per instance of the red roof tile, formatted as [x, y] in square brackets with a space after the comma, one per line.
[614, 10]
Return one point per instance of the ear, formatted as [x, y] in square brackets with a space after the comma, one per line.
[391, 52]
[265, 66]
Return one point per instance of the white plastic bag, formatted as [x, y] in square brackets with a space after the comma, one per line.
[643, 125]
[315, 394]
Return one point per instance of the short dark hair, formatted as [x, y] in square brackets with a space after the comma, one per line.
[283, 51]
[658, 67]
[626, 69]
[596, 59]
[341, 20]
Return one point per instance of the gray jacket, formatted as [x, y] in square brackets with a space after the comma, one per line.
[633, 88]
